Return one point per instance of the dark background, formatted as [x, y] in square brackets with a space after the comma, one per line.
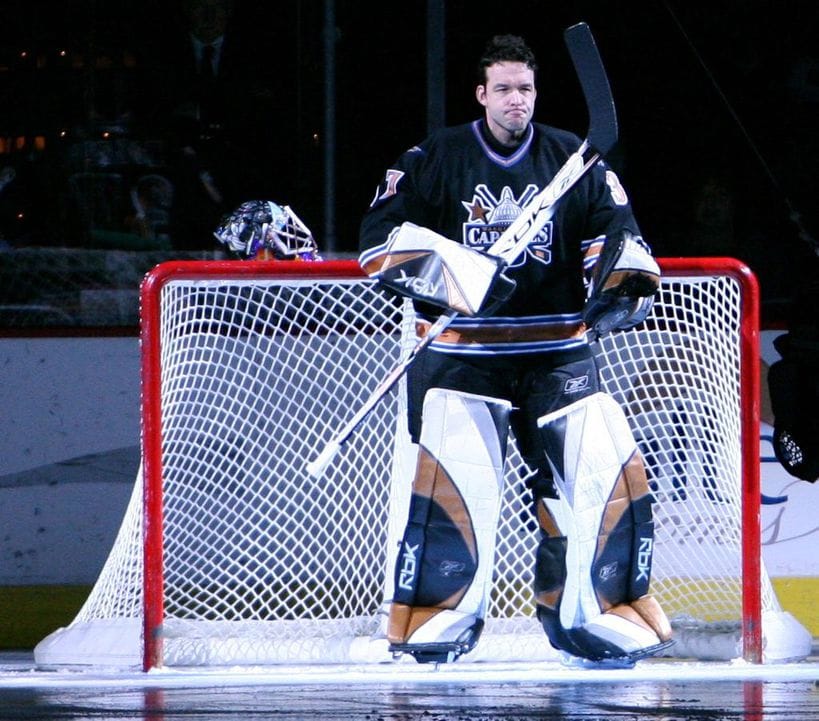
[717, 104]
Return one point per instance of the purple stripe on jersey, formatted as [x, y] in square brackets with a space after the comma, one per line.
[503, 160]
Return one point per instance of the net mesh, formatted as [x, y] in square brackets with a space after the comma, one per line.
[263, 563]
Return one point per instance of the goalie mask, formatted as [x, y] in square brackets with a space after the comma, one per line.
[263, 230]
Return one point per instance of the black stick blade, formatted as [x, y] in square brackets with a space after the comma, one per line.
[590, 71]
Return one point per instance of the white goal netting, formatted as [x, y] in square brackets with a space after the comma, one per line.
[246, 376]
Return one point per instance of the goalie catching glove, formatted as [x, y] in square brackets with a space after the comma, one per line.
[422, 265]
[622, 287]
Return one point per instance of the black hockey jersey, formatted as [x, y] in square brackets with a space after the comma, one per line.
[462, 185]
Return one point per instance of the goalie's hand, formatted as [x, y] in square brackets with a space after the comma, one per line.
[622, 288]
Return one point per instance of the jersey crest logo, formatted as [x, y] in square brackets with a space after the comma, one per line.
[489, 216]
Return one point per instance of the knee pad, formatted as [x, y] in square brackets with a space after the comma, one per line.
[593, 566]
[444, 566]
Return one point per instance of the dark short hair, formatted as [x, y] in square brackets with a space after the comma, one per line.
[505, 48]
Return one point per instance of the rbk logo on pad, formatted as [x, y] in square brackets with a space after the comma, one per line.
[645, 549]
[408, 568]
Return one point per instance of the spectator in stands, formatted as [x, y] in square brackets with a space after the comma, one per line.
[209, 85]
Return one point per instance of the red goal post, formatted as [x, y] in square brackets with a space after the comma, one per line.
[749, 398]
[672, 267]
[231, 554]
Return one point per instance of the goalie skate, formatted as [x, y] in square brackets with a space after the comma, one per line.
[441, 652]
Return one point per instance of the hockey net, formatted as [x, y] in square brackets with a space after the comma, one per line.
[231, 554]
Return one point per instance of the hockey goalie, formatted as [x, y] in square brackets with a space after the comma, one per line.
[517, 356]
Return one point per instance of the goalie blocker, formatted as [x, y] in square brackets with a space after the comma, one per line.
[423, 265]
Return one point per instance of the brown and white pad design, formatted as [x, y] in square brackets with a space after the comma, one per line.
[444, 565]
[601, 532]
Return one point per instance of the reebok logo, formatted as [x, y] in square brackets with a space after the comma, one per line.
[608, 571]
[644, 558]
[576, 385]
[451, 568]
[409, 563]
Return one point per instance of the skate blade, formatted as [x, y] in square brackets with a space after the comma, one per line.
[627, 660]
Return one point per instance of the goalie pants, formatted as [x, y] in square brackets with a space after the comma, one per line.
[535, 385]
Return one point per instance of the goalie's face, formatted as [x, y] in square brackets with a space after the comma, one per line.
[509, 99]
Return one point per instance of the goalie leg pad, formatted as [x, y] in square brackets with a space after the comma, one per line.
[600, 520]
[444, 565]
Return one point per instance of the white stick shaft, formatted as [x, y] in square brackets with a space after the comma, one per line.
[509, 246]
[316, 467]
[539, 210]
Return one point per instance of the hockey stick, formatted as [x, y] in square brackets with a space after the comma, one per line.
[601, 136]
